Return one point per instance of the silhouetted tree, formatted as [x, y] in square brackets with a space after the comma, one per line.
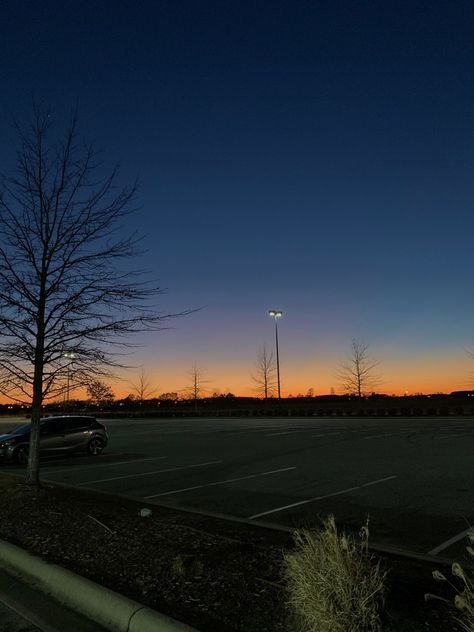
[100, 393]
[196, 386]
[171, 396]
[357, 373]
[265, 374]
[143, 387]
[65, 278]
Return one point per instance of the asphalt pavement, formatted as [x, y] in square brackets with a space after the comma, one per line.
[24, 609]
[413, 476]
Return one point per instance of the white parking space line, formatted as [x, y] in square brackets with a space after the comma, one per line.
[47, 458]
[448, 436]
[378, 436]
[163, 432]
[93, 465]
[379, 480]
[229, 480]
[451, 541]
[310, 500]
[169, 469]
[390, 434]
[274, 434]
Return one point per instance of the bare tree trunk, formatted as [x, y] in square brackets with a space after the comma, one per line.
[195, 393]
[32, 470]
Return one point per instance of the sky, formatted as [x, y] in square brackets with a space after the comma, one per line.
[310, 156]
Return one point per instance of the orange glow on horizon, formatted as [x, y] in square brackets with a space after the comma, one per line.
[427, 375]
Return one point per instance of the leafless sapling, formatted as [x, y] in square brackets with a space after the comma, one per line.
[265, 374]
[357, 373]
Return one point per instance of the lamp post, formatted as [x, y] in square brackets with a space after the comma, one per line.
[276, 314]
[70, 355]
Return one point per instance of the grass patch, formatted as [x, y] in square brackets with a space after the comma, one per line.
[334, 584]
[464, 598]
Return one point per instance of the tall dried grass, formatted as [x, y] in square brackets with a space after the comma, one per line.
[334, 584]
[464, 598]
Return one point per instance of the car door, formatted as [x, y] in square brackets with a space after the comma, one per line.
[52, 434]
[78, 430]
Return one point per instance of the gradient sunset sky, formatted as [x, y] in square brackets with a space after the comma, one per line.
[311, 156]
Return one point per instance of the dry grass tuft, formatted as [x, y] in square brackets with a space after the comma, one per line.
[333, 582]
[464, 598]
[186, 565]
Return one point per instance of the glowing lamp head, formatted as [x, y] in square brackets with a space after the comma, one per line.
[69, 354]
[275, 313]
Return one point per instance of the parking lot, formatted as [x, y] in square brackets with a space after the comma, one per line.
[414, 477]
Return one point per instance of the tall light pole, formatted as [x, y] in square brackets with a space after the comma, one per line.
[276, 314]
[70, 355]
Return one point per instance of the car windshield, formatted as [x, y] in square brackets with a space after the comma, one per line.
[24, 428]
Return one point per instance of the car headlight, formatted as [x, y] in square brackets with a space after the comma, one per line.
[5, 444]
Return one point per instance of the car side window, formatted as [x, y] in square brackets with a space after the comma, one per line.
[53, 426]
[78, 423]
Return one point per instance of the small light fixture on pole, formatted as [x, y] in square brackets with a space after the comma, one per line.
[276, 314]
[70, 355]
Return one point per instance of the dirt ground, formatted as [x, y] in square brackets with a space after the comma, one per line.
[215, 575]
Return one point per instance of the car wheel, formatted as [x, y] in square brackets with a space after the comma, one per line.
[20, 455]
[95, 446]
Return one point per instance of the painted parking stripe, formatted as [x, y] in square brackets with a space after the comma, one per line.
[274, 434]
[229, 480]
[448, 436]
[378, 436]
[93, 465]
[389, 434]
[169, 469]
[451, 541]
[162, 431]
[310, 500]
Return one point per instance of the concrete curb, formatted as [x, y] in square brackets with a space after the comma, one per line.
[107, 608]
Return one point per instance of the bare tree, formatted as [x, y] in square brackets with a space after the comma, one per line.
[358, 373]
[99, 392]
[143, 387]
[265, 374]
[65, 278]
[196, 386]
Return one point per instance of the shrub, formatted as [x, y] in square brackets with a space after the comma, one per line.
[464, 598]
[183, 565]
[333, 582]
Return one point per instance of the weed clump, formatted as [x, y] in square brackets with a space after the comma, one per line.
[464, 597]
[334, 584]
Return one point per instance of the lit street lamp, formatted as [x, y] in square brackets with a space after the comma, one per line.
[70, 355]
[276, 314]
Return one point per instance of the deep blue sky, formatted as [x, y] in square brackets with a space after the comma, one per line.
[311, 156]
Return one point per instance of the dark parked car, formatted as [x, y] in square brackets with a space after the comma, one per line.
[57, 434]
